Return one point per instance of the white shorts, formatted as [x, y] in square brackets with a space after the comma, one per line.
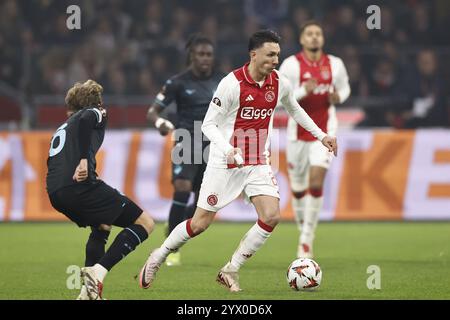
[220, 186]
[300, 156]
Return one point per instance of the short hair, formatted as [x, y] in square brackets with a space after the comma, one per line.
[308, 24]
[258, 39]
[83, 95]
[193, 41]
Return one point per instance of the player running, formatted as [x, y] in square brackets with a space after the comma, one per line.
[320, 81]
[191, 90]
[238, 123]
[75, 190]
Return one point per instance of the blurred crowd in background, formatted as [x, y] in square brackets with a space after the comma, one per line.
[399, 75]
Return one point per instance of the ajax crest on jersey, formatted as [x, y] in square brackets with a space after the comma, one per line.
[270, 96]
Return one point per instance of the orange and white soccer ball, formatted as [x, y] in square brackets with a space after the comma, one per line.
[304, 275]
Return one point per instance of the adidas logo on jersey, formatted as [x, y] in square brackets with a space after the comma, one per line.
[307, 75]
[249, 98]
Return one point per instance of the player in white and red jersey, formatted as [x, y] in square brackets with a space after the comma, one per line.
[319, 81]
[238, 124]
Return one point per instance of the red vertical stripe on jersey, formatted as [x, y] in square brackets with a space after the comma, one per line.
[256, 107]
[315, 104]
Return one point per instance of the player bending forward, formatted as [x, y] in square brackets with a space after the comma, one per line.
[238, 119]
[75, 190]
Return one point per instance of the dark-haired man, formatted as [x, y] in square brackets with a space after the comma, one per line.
[238, 123]
[191, 90]
[320, 81]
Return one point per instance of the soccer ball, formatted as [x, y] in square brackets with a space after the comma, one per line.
[304, 274]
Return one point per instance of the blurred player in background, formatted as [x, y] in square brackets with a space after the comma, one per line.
[191, 90]
[238, 124]
[320, 82]
[75, 190]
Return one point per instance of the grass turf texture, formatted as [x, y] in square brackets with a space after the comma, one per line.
[414, 259]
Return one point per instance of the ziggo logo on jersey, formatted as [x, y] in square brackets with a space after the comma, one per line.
[322, 88]
[252, 113]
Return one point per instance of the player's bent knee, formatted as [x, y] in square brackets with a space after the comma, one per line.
[198, 227]
[273, 221]
[317, 178]
[146, 221]
[201, 220]
[271, 218]
[316, 184]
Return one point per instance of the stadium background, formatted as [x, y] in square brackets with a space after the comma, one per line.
[394, 160]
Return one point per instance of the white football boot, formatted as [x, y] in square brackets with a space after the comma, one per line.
[229, 278]
[148, 271]
[94, 287]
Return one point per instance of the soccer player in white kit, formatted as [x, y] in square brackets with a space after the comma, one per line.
[238, 124]
[319, 81]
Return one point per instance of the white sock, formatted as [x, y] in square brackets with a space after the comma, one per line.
[250, 243]
[298, 204]
[176, 239]
[100, 271]
[313, 205]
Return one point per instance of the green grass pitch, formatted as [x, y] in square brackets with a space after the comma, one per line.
[414, 259]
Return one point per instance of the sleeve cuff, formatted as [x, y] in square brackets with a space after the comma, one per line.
[321, 136]
[228, 148]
